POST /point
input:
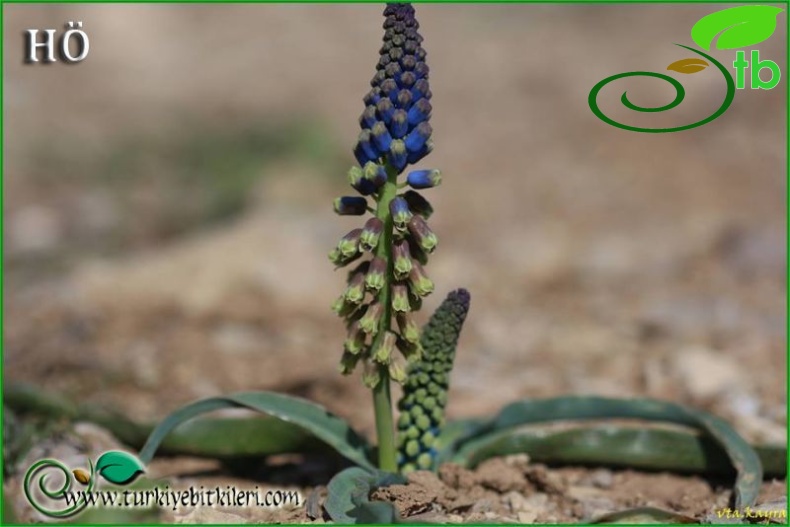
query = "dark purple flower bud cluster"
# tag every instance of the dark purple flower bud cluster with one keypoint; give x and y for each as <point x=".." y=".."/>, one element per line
<point x="384" y="291"/>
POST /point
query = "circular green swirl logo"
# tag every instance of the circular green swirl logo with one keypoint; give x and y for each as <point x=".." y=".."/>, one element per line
<point x="732" y="28"/>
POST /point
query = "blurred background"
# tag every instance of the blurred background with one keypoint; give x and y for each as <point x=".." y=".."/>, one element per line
<point x="167" y="207"/>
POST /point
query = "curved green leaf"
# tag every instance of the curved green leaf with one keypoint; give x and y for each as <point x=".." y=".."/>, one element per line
<point x="119" y="467"/>
<point x="739" y="26"/>
<point x="310" y="416"/>
<point x="348" y="499"/>
<point x="618" y="446"/>
<point x="740" y="453"/>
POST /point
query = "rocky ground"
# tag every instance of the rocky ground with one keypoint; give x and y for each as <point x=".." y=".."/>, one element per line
<point x="170" y="241"/>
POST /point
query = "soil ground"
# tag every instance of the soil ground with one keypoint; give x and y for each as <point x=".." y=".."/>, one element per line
<point x="167" y="219"/>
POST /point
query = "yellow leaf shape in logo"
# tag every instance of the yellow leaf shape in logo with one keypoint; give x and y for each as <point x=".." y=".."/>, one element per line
<point x="81" y="476"/>
<point x="688" y="65"/>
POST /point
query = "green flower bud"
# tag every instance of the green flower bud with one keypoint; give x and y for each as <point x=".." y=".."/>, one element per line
<point x="423" y="422"/>
<point x="369" y="323"/>
<point x="400" y="298"/>
<point x="355" y="342"/>
<point x="371" y="376"/>
<point x="404" y="420"/>
<point x="348" y="362"/>
<point x="408" y="468"/>
<point x="343" y="308"/>
<point x="422" y="234"/>
<point x="429" y="403"/>
<point x="375" y="278"/>
<point x="425" y="461"/>
<point x="419" y="281"/>
<point x="409" y="329"/>
<point x="427" y="439"/>
<point x="371" y="233"/>
<point x="355" y="292"/>
<point x="402" y="265"/>
<point x="397" y="369"/>
<point x="412" y="448"/>
<point x="385" y="348"/>
<point x="412" y="432"/>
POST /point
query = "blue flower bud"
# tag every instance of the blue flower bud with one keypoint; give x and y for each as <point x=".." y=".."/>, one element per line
<point x="408" y="62"/>
<point x="381" y="136"/>
<point x="368" y="117"/>
<point x="417" y="137"/>
<point x="407" y="80"/>
<point x="404" y="99"/>
<point x="415" y="157"/>
<point x="376" y="174"/>
<point x="364" y="142"/>
<point x="392" y="70"/>
<point x="399" y="126"/>
<point x="421" y="90"/>
<point x="350" y="206"/>
<point x="396" y="53"/>
<point x="421" y="70"/>
<point x="419" y="112"/>
<point x="356" y="178"/>
<point x="421" y="179"/>
<point x="398" y="155"/>
<point x="385" y="109"/>
<point x="389" y="89"/>
<point x="372" y="97"/>
<point x="400" y="213"/>
<point x="378" y="78"/>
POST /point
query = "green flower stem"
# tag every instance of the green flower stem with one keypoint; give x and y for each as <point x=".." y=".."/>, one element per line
<point x="382" y="400"/>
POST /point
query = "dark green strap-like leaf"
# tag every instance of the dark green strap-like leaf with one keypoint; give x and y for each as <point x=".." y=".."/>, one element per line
<point x="348" y="499"/>
<point x="310" y="416"/>
<point x="741" y="455"/>
<point x="618" y="446"/>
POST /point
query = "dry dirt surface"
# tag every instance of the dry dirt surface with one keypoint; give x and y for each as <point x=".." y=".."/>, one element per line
<point x="599" y="261"/>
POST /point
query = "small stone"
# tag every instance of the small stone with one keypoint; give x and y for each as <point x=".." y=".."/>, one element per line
<point x="483" y="505"/>
<point x="602" y="478"/>
<point x="515" y="501"/>
<point x="527" y="517"/>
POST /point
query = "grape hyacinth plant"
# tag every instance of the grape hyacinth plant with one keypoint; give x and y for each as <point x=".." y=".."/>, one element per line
<point x="386" y="289"/>
<point x="386" y="256"/>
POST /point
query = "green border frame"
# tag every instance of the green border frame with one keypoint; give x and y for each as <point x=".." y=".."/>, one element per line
<point x="785" y="3"/>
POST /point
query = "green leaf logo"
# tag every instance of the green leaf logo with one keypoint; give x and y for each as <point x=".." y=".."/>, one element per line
<point x="119" y="467"/>
<point x="739" y="27"/>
